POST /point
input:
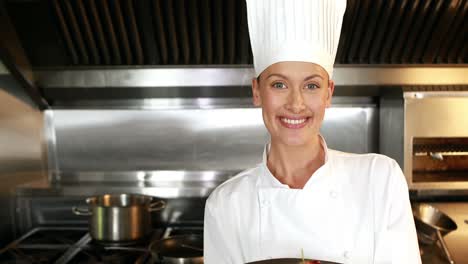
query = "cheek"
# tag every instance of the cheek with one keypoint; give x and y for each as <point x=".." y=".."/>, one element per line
<point x="317" y="104"/>
<point x="270" y="102"/>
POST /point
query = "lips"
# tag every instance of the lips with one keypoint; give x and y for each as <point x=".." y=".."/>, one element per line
<point x="295" y="123"/>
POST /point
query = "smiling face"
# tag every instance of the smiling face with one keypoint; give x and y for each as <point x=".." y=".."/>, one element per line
<point x="293" y="97"/>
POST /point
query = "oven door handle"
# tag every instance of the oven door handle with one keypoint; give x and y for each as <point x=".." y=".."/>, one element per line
<point x="81" y="211"/>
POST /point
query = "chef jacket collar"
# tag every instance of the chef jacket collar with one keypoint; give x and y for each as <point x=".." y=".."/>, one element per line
<point x="267" y="179"/>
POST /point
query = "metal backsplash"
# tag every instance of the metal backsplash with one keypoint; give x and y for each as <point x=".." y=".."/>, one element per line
<point x="21" y="151"/>
<point x="189" y="135"/>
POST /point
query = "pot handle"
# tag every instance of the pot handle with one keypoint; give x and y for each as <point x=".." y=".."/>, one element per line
<point x="156" y="206"/>
<point x="81" y="211"/>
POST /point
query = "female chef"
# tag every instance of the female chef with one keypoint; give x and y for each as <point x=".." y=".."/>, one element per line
<point x="305" y="198"/>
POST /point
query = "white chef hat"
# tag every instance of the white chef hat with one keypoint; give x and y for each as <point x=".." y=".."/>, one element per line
<point x="294" y="30"/>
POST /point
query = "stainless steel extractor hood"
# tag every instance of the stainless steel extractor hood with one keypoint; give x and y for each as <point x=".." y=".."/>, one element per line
<point x="127" y="49"/>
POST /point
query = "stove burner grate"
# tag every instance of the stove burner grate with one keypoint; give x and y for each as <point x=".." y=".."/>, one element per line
<point x="75" y="246"/>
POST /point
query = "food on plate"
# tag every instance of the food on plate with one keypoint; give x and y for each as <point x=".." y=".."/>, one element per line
<point x="308" y="261"/>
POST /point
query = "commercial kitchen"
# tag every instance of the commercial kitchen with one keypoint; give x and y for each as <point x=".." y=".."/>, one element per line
<point x="119" y="118"/>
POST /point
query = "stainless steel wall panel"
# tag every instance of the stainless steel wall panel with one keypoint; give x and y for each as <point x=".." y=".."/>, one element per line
<point x="21" y="154"/>
<point x="50" y="140"/>
<point x="189" y="136"/>
<point x="351" y="129"/>
<point x="391" y="126"/>
<point x="187" y="139"/>
<point x="20" y="136"/>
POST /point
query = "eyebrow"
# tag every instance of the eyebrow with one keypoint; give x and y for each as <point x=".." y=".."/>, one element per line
<point x="313" y="76"/>
<point x="284" y="77"/>
<point x="277" y="75"/>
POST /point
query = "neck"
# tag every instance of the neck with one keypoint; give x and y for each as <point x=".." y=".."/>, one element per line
<point x="294" y="165"/>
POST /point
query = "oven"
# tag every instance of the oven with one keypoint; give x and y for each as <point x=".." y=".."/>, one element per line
<point x="436" y="141"/>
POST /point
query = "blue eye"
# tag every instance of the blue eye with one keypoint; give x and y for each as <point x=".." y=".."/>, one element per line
<point x="312" y="86"/>
<point x="279" y="85"/>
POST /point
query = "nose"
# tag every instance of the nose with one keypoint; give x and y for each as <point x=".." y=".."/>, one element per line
<point x="295" y="101"/>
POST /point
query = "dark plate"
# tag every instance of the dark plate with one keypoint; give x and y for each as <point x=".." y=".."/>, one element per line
<point x="291" y="261"/>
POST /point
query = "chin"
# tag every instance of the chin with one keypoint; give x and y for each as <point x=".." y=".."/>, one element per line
<point x="294" y="141"/>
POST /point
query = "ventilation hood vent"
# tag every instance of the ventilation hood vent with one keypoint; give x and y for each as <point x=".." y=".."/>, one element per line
<point x="62" y="33"/>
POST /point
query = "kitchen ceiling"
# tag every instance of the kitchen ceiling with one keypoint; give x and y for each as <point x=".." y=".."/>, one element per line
<point x="62" y="33"/>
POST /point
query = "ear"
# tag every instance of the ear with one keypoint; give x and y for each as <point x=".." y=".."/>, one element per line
<point x="257" y="101"/>
<point x="330" y="90"/>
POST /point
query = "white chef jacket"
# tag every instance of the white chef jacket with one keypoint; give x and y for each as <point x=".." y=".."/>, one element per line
<point x="354" y="209"/>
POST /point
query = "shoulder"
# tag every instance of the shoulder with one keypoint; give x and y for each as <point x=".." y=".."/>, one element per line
<point x="373" y="176"/>
<point x="370" y="161"/>
<point x="366" y="157"/>
<point x="371" y="168"/>
<point x="238" y="186"/>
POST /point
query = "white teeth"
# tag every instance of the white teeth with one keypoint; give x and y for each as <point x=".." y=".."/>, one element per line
<point x="293" y="121"/>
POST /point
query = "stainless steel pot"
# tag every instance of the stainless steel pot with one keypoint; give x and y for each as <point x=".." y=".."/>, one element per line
<point x="119" y="218"/>
<point x="432" y="225"/>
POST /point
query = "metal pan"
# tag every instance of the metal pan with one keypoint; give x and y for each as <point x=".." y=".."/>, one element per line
<point x="186" y="249"/>
<point x="432" y="225"/>
<point x="291" y="261"/>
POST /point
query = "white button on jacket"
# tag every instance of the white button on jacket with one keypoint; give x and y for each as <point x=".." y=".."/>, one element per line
<point x="354" y="209"/>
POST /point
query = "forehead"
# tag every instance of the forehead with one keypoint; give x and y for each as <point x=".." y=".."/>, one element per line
<point x="295" y="70"/>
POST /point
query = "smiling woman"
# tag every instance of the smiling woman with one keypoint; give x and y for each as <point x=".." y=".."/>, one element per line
<point x="336" y="206"/>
